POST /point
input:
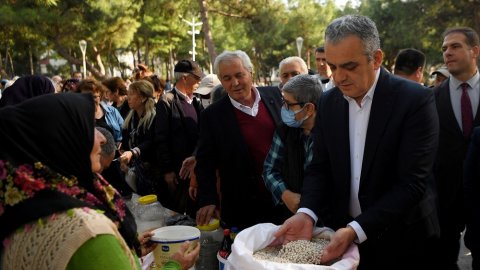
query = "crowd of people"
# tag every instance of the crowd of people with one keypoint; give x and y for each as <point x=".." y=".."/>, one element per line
<point x="389" y="164"/>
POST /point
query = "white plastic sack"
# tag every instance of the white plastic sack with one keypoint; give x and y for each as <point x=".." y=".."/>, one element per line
<point x="261" y="235"/>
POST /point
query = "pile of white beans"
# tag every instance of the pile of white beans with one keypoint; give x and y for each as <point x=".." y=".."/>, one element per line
<point x="300" y="251"/>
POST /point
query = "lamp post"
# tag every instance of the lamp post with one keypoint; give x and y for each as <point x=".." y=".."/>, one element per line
<point x="299" y="41"/>
<point x="83" y="47"/>
<point x="194" y="32"/>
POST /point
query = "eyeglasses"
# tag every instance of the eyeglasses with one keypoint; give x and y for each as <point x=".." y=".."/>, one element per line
<point x="288" y="105"/>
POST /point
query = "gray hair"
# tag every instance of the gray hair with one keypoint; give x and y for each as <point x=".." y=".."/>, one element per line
<point x="357" y="25"/>
<point x="109" y="147"/>
<point x="293" y="59"/>
<point x="229" y="56"/>
<point x="145" y="89"/>
<point x="304" y="88"/>
<point x="179" y="75"/>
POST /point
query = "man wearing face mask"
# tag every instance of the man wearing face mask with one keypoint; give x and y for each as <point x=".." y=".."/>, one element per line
<point x="291" y="150"/>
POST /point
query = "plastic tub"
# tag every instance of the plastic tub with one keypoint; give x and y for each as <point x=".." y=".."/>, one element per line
<point x="169" y="240"/>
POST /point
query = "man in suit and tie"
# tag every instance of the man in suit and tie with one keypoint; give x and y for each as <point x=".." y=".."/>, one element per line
<point x="457" y="100"/>
<point x="375" y="142"/>
<point x="176" y="135"/>
<point x="235" y="137"/>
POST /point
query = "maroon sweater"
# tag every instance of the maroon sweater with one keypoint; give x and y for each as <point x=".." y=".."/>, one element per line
<point x="258" y="133"/>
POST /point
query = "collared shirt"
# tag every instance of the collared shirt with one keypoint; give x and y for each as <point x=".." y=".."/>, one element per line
<point x="252" y="111"/>
<point x="188" y="99"/>
<point x="358" y="124"/>
<point x="273" y="165"/>
<point x="456" y="94"/>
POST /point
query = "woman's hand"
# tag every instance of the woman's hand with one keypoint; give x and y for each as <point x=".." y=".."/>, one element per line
<point x="126" y="157"/>
<point x="146" y="245"/>
<point x="186" y="259"/>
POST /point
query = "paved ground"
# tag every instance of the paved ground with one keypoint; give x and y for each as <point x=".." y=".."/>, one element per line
<point x="464" y="258"/>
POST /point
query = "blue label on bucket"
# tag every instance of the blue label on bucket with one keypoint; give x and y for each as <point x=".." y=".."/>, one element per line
<point x="165" y="248"/>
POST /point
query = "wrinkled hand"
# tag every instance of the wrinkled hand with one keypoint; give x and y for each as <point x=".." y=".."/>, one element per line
<point x="339" y="244"/>
<point x="171" y="180"/>
<point x="186" y="260"/>
<point x="291" y="200"/>
<point x="298" y="227"/>
<point x="188" y="167"/>
<point x="145" y="245"/>
<point x="192" y="192"/>
<point x="206" y="213"/>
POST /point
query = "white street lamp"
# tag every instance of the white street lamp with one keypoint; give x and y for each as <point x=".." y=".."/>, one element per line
<point x="299" y="46"/>
<point x="194" y="32"/>
<point x="83" y="47"/>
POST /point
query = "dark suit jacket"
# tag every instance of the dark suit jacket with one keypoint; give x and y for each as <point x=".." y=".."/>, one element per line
<point x="395" y="193"/>
<point x="449" y="163"/>
<point x="175" y="138"/>
<point x="472" y="192"/>
<point x="221" y="146"/>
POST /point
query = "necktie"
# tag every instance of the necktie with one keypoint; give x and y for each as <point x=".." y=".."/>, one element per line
<point x="466" y="107"/>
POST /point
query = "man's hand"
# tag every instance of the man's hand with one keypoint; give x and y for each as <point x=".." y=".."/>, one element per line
<point x="188" y="167"/>
<point x="339" y="244"/>
<point x="291" y="200"/>
<point x="298" y="227"/>
<point x="206" y="213"/>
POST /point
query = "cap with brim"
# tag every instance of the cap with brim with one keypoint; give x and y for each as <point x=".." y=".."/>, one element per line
<point x="443" y="71"/>
<point x="189" y="66"/>
<point x="207" y="84"/>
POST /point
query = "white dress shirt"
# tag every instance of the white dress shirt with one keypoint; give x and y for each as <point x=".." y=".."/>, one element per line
<point x="456" y="95"/>
<point x="252" y="111"/>
<point x="359" y="116"/>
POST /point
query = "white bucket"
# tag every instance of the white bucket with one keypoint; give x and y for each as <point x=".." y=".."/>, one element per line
<point x="169" y="240"/>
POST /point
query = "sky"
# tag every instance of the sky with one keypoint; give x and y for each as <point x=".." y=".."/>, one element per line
<point x="341" y="3"/>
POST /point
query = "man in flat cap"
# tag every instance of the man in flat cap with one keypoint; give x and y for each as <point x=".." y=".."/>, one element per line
<point x="176" y="134"/>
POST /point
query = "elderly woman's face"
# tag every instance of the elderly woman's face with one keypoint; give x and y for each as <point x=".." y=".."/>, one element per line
<point x="95" y="155"/>
<point x="135" y="100"/>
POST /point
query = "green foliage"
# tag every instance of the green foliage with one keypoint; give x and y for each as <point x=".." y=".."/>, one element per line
<point x="266" y="29"/>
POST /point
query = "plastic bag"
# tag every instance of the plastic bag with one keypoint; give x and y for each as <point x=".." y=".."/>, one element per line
<point x="144" y="180"/>
<point x="261" y="235"/>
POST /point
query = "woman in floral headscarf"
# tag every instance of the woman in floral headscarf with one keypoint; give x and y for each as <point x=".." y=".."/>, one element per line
<point x="54" y="212"/>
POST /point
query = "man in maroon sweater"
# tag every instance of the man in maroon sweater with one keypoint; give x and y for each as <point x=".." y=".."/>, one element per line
<point x="235" y="136"/>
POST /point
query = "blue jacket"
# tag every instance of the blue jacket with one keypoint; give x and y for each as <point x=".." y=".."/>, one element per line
<point x="114" y="120"/>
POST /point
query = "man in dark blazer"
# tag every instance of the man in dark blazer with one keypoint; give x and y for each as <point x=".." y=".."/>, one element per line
<point x="235" y="136"/>
<point x="375" y="142"/>
<point x="471" y="184"/>
<point x="178" y="114"/>
<point x="461" y="48"/>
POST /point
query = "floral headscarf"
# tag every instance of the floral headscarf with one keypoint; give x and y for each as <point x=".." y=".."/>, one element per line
<point x="45" y="167"/>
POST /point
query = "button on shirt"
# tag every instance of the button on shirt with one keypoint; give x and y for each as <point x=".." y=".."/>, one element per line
<point x="456" y="94"/>
<point x="252" y="111"/>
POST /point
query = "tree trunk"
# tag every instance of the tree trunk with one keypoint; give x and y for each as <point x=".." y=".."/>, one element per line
<point x="99" y="61"/>
<point x="63" y="52"/>
<point x="6" y="57"/>
<point x="11" y="63"/>
<point x="30" y="58"/>
<point x="147" y="52"/>
<point x="206" y="30"/>
<point x="139" y="57"/>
